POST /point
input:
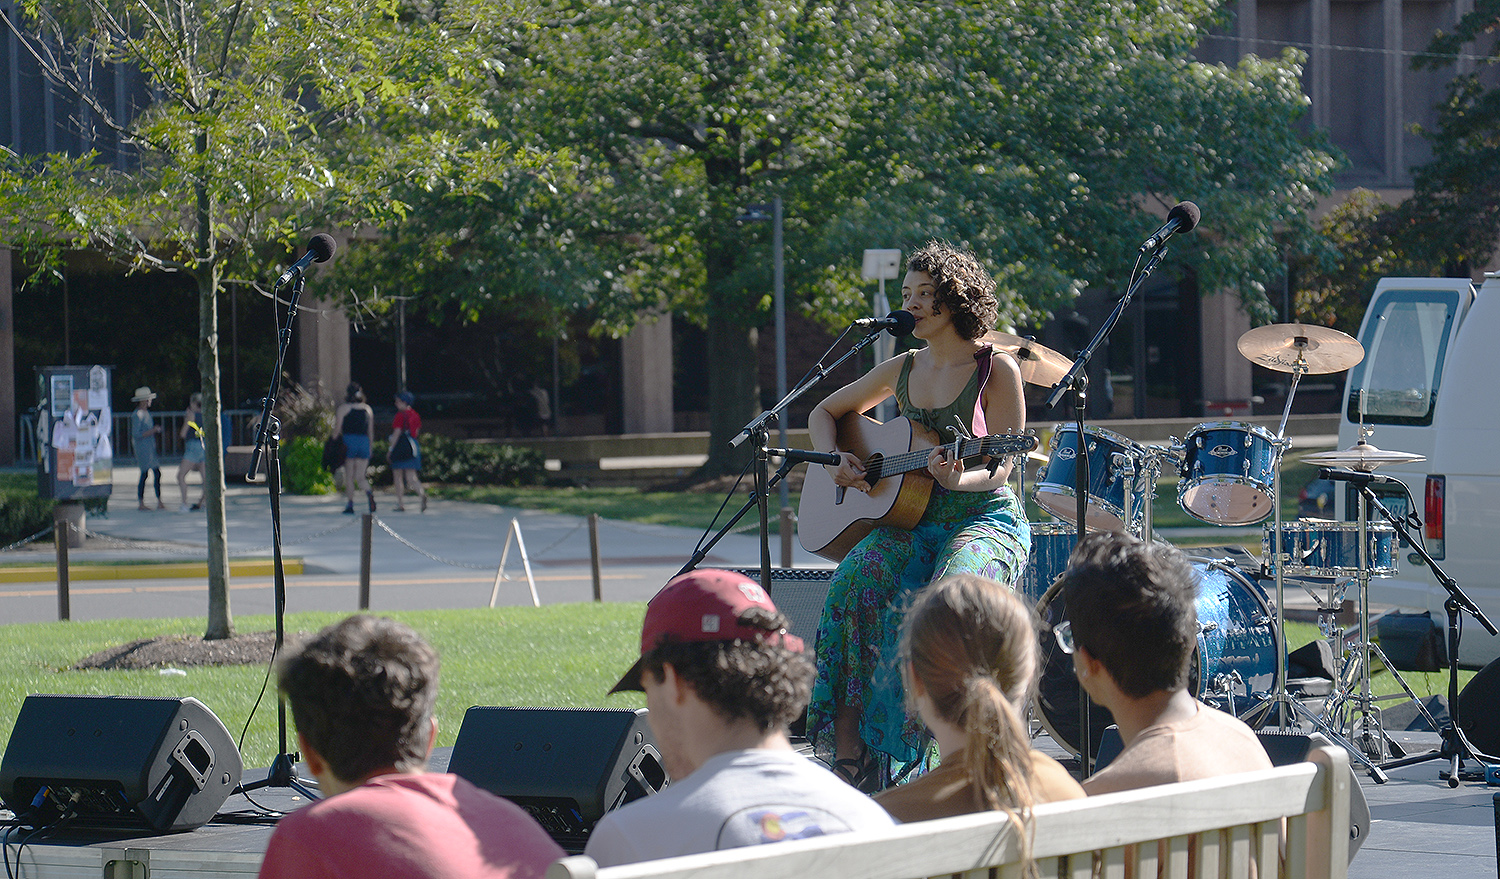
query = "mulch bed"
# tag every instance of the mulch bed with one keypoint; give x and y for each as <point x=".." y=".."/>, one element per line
<point x="185" y="651"/>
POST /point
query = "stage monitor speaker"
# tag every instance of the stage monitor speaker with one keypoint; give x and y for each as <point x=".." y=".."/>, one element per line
<point x="799" y="593"/>
<point x="1479" y="709"/>
<point x="119" y="761"/>
<point x="564" y="766"/>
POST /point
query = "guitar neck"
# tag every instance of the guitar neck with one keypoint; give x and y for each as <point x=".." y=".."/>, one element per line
<point x="905" y="462"/>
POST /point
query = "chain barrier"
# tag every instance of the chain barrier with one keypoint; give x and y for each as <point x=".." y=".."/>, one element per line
<point x="420" y="551"/>
<point x="148" y="546"/>
<point x="25" y="540"/>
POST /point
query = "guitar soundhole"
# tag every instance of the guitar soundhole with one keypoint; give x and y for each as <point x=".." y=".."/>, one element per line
<point x="872" y="468"/>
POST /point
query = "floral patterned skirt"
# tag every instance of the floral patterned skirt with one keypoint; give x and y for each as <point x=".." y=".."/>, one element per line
<point x="981" y="533"/>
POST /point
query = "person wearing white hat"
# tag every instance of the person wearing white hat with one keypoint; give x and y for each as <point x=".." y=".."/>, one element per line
<point x="143" y="433"/>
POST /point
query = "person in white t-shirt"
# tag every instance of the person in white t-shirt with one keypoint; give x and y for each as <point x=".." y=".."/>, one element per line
<point x="723" y="680"/>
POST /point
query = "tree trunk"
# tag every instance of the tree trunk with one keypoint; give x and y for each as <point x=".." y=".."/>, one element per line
<point x="733" y="369"/>
<point x="220" y="620"/>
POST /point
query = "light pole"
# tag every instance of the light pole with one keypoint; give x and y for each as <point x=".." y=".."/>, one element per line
<point x="878" y="266"/>
<point x="757" y="214"/>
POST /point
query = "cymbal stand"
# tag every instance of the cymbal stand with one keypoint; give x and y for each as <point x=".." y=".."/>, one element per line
<point x="1287" y="709"/>
<point x="1343" y="706"/>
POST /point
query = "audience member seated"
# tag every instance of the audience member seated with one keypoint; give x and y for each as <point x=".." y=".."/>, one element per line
<point x="723" y="679"/>
<point x="362" y="693"/>
<point x="971" y="658"/>
<point x="1132" y="623"/>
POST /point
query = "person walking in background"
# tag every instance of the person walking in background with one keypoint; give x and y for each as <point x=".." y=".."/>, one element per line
<point x="405" y="454"/>
<point x="355" y="422"/>
<point x="143" y="433"/>
<point x="192" y="452"/>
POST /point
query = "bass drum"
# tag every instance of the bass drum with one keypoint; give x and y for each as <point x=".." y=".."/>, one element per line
<point x="1235" y="657"/>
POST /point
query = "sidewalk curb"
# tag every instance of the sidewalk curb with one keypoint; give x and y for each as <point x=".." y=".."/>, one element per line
<point x="145" y="571"/>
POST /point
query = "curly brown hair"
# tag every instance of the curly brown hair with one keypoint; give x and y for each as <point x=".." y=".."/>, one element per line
<point x="961" y="285"/>
<point x="762" y="681"/>
<point x="362" y="693"/>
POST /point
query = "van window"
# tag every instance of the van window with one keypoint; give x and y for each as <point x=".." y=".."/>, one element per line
<point x="1405" y="344"/>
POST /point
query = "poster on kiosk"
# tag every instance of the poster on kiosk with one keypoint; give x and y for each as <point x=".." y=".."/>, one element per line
<point x="74" y="427"/>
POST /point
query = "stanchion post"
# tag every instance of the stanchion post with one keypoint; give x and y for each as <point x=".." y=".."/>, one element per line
<point x="60" y="537"/>
<point x="594" y="554"/>
<point x="785" y="527"/>
<point x="364" y="559"/>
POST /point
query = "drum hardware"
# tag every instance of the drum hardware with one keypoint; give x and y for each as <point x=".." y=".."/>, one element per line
<point x="1300" y="350"/>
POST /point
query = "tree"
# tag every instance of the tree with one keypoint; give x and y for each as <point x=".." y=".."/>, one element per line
<point x="1047" y="136"/>
<point x="1043" y="135"/>
<point x="255" y="120"/>
<point x="1451" y="223"/>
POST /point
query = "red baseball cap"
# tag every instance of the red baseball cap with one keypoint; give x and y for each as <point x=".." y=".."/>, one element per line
<point x="702" y="606"/>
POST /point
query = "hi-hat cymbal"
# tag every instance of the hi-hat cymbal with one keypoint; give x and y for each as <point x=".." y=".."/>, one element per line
<point x="1040" y="365"/>
<point x="1321" y="350"/>
<point x="1361" y="456"/>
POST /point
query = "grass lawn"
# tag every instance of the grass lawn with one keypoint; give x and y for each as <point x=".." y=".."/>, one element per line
<point x="557" y="656"/>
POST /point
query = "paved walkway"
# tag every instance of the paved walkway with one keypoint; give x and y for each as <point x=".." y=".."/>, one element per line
<point x="446" y="557"/>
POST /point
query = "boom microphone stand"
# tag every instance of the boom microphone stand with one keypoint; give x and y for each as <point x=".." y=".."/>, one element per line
<point x="1456" y="746"/>
<point x="268" y="437"/>
<point x="759" y="430"/>
<point x="1076" y="383"/>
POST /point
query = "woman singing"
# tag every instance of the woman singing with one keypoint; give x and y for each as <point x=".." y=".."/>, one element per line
<point x="973" y="522"/>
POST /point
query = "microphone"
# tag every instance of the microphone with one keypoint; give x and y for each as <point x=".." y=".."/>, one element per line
<point x="1183" y="217"/>
<point x="809" y="457"/>
<point x="319" y="249"/>
<point x="897" y="323"/>
<point x="1358" y="477"/>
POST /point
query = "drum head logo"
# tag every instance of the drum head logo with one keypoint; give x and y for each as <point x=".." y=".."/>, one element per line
<point x="1221" y="451"/>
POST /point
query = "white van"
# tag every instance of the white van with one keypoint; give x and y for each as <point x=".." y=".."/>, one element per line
<point x="1429" y="383"/>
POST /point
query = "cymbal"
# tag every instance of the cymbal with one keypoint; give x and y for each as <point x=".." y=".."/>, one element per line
<point x="1361" y="456"/>
<point x="1322" y="349"/>
<point x="1040" y="365"/>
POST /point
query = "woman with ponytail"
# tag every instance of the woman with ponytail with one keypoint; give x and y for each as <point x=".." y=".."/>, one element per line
<point x="970" y="659"/>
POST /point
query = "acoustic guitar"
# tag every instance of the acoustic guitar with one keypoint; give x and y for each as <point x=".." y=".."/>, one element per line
<point x="831" y="519"/>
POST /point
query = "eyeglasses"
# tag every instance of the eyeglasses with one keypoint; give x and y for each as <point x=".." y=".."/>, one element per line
<point x="1063" y="631"/>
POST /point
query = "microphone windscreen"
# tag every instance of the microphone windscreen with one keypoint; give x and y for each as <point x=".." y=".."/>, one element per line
<point x="905" y="323"/>
<point x="322" y="246"/>
<point x="1186" y="214"/>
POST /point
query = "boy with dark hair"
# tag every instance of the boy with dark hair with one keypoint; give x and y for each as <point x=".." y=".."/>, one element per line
<point x="723" y="679"/>
<point x="1132" y="623"/>
<point x="362" y="693"/>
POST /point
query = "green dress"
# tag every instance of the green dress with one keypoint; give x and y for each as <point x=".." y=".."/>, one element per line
<point x="973" y="532"/>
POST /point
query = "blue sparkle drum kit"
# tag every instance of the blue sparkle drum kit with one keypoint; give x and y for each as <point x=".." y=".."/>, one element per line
<point x="1229" y="474"/>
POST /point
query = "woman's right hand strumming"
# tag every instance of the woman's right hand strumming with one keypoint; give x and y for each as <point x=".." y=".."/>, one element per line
<point x="850" y="473"/>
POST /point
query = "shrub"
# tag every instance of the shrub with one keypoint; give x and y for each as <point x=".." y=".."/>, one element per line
<point x="302" y="466"/>
<point x="23" y="515"/>
<point x="476" y="463"/>
<point x="303" y="413"/>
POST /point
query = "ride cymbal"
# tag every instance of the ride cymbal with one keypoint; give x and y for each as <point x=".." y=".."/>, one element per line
<point x="1040" y="365"/>
<point x="1320" y="350"/>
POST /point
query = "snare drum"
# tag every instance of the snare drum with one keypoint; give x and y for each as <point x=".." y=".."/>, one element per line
<point x="1319" y="548"/>
<point x="1051" y="545"/>
<point x="1115" y="462"/>
<point x="1228" y="473"/>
